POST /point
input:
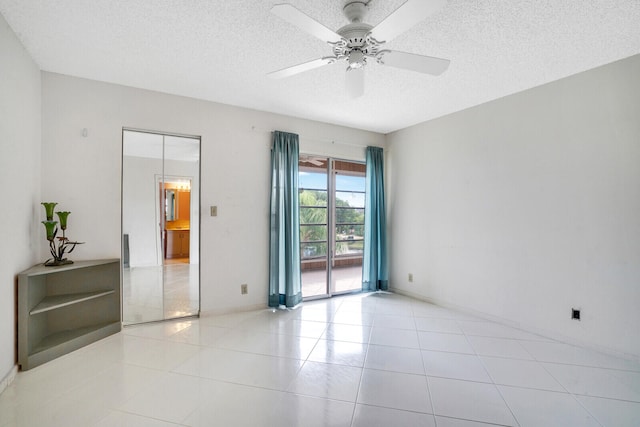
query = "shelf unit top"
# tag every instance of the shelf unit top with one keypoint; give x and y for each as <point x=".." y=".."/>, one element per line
<point x="40" y="269"/>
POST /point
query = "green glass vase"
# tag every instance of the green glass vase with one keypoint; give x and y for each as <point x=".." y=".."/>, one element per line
<point x="63" y="219"/>
<point x="51" y="229"/>
<point x="48" y="207"/>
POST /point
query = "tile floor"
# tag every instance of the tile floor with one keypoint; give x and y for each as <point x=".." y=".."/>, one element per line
<point x="359" y="360"/>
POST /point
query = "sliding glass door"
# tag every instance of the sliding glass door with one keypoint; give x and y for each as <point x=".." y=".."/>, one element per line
<point x="314" y="225"/>
<point x="348" y="226"/>
<point x="331" y="225"/>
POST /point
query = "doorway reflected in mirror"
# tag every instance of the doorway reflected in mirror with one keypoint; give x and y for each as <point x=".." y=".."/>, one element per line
<point x="175" y="194"/>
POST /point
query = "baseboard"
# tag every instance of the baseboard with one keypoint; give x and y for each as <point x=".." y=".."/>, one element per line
<point x="526" y="328"/>
<point x="8" y="379"/>
<point x="231" y="310"/>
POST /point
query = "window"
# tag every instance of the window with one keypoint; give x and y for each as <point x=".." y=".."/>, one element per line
<point x="331" y="194"/>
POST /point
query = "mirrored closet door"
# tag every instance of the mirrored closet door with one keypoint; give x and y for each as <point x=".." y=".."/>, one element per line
<point x="160" y="226"/>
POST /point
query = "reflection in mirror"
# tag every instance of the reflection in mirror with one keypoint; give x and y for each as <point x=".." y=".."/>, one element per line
<point x="160" y="226"/>
<point x="170" y="202"/>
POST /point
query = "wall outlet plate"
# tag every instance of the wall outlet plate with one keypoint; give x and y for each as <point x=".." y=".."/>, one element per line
<point x="244" y="289"/>
<point x="214" y="211"/>
<point x="410" y="277"/>
<point x="575" y="313"/>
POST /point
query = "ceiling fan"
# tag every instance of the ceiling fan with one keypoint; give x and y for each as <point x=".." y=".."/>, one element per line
<point x="315" y="161"/>
<point x="357" y="42"/>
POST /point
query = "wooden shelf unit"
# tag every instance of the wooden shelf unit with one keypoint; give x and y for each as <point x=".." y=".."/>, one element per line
<point x="61" y="309"/>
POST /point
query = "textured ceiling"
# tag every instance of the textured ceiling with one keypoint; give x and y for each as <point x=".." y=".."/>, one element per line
<point x="221" y="50"/>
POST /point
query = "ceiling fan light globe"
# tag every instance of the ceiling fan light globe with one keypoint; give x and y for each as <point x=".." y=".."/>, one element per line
<point x="356" y="59"/>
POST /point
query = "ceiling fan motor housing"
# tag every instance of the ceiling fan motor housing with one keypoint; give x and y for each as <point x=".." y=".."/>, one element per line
<point x="356" y="44"/>
<point x="355" y="10"/>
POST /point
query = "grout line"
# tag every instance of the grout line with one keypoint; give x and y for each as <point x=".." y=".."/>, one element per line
<point x="495" y="386"/>
<point x="424" y="369"/>
<point x="551" y="362"/>
<point x="364" y="362"/>
<point x="569" y="392"/>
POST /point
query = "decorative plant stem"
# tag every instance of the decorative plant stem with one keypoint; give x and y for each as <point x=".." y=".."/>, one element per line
<point x="58" y="246"/>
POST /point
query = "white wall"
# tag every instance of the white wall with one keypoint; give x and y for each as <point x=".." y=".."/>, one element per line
<point x="235" y="156"/>
<point x="527" y="206"/>
<point x="20" y="176"/>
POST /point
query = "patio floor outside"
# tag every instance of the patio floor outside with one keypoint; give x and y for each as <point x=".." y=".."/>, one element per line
<point x="314" y="282"/>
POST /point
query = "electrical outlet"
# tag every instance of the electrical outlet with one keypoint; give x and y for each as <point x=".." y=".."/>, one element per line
<point x="214" y="211"/>
<point x="575" y="313"/>
<point x="410" y="277"/>
<point x="244" y="289"/>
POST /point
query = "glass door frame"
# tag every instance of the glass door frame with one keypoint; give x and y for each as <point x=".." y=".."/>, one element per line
<point x="330" y="256"/>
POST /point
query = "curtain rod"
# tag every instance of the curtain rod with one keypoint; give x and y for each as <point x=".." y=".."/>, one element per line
<point x="332" y="141"/>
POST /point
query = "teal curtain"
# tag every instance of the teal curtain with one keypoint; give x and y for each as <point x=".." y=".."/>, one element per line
<point x="284" y="243"/>
<point x="375" y="275"/>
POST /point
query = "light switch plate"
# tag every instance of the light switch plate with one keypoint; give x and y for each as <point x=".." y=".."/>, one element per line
<point x="214" y="211"/>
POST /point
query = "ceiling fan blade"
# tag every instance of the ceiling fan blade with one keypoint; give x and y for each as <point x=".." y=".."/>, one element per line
<point x="300" y="68"/>
<point x="355" y="82"/>
<point x="405" y="17"/>
<point x="305" y="23"/>
<point x="413" y="62"/>
<point x="311" y="160"/>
